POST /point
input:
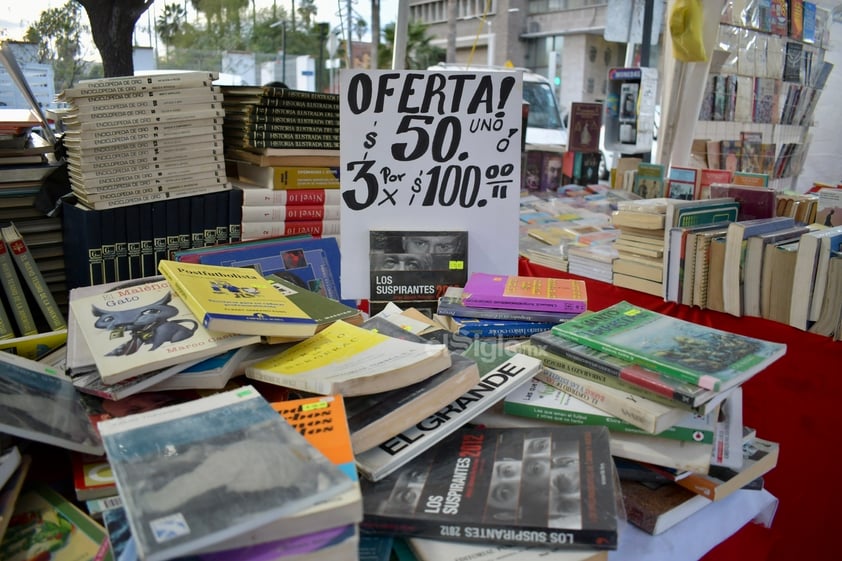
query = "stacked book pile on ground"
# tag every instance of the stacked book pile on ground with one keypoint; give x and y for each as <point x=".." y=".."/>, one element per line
<point x="133" y="140"/>
<point x="282" y="148"/>
<point x="509" y="307"/>
<point x="670" y="393"/>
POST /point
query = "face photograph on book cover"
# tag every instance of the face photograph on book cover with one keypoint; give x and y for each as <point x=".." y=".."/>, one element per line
<point x="407" y="490"/>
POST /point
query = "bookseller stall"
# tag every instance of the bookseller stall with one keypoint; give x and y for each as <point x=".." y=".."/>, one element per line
<point x="791" y="401"/>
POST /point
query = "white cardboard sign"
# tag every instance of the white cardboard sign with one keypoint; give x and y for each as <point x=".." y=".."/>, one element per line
<point x="430" y="150"/>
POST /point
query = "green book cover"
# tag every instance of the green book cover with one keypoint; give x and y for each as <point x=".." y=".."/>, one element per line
<point x="710" y="358"/>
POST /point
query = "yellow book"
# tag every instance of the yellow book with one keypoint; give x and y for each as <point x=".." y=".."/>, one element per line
<point x="351" y="360"/>
<point x="237" y="300"/>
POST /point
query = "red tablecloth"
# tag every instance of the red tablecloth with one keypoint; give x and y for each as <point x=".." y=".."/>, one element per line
<point x="792" y="402"/>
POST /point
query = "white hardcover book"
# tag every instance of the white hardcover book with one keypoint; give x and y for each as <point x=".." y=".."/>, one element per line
<point x="198" y="474"/>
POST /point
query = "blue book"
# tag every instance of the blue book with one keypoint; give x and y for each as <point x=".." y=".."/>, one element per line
<point x="311" y="263"/>
<point x="476" y="327"/>
<point x="133" y="241"/>
<point x="82" y="244"/>
<point x="222" y="199"/>
<point x="108" y="231"/>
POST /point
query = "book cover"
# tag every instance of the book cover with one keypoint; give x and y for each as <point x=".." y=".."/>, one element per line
<point x="729" y="155"/>
<point x="10" y="491"/>
<point x="44" y="520"/>
<point x="33" y="278"/>
<point x="450" y="304"/>
<point x="145" y="327"/>
<point x="168" y="464"/>
<point x="484" y="290"/>
<point x="236" y="300"/>
<point x="501" y="371"/>
<point x="39" y="403"/>
<point x="269" y="229"/>
<point x="212" y="373"/>
<point x="414" y="267"/>
<point x="289" y="177"/>
<point x="82" y="241"/>
<point x="377" y="417"/>
<point x="509" y="328"/>
<point x="503" y="486"/>
<point x="655" y="508"/>
<point x="813" y="251"/>
<point x="649" y="181"/>
<point x="556" y="396"/>
<point x="34" y="346"/>
<point x="15" y="295"/>
<point x="760" y="456"/>
<point x="584" y="128"/>
<point x="705" y="356"/>
<point x="92" y="476"/>
<point x="257" y="196"/>
<point x="753" y="266"/>
<point x="321" y="309"/>
<point x="350" y="360"/>
<point x="829" y="246"/>
<point x="755" y="202"/>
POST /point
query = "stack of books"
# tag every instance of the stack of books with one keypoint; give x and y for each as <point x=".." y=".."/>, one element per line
<point x="670" y="393"/>
<point x="282" y="146"/>
<point x="640" y="245"/>
<point x="510" y="306"/>
<point x="139" y="139"/>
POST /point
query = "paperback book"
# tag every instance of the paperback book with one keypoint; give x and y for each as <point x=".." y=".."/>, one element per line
<point x="39" y="403"/>
<point x="451" y="304"/>
<point x="547" y="294"/>
<point x="710" y="358"/>
<point x="501" y="371"/>
<point x="351" y="360"/>
<point x="544" y="486"/>
<point x="175" y="465"/>
<point x="236" y="300"/>
<point x="143" y="328"/>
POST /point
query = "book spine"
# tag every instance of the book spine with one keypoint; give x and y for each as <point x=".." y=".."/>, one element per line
<point x="162" y="177"/>
<point x="326" y="143"/>
<point x="290" y="213"/>
<point x="147" y="153"/>
<point x="107" y="174"/>
<point x="302" y="132"/>
<point x="331" y="106"/>
<point x="273" y="92"/>
<point x="159" y="135"/>
<point x="251" y="230"/>
<point x="133" y="198"/>
<point x="250" y="127"/>
<point x="221" y="219"/>
<point x="7" y="331"/>
<point x="14" y="293"/>
<point x="182" y="292"/>
<point x="82" y="102"/>
<point x="197" y="222"/>
<point x="149" y="120"/>
<point x="184" y="233"/>
<point x="106" y="109"/>
<point x="260" y="119"/>
<point x="278" y="197"/>
<point x="159" y="233"/>
<point x="129" y="84"/>
<point x="533" y="304"/>
<point x="108" y="250"/>
<point x="121" y="247"/>
<point x="449" y="306"/>
<point x="34" y="279"/>
<point x="82" y="243"/>
<point x="235" y="215"/>
<point x="134" y="249"/>
<point x="475" y="328"/>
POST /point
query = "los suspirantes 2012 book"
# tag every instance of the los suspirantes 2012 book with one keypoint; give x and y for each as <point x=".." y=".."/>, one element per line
<point x="197" y="474"/>
<point x="710" y="358"/>
<point x="550" y="486"/>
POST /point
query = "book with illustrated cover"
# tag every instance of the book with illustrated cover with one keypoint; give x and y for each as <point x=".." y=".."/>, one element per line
<point x="44" y="520"/>
<point x="501" y="371"/>
<point x="351" y="360"/>
<point x="39" y="403"/>
<point x="549" y="486"/>
<point x="176" y="465"/>
<point x="412" y="268"/>
<point x="710" y="358"/>
<point x="35" y="346"/>
<point x="236" y="300"/>
<point x="547" y="294"/>
<point x="10" y="491"/>
<point x="510" y="328"/>
<point x="143" y="328"/>
<point x="376" y="417"/>
<point x="92" y="476"/>
<point x="450" y="304"/>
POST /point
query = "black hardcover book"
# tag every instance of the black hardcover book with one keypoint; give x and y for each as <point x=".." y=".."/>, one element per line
<point x="147" y="246"/>
<point x="121" y="245"/>
<point x="235" y="215"/>
<point x="82" y="243"/>
<point x="197" y="221"/>
<point x="133" y="241"/>
<point x="549" y="486"/>
<point x="159" y="231"/>
<point x="173" y="223"/>
<point x="108" y="230"/>
<point x="209" y="218"/>
<point x="414" y="268"/>
<point x="221" y="220"/>
<point x="184" y="233"/>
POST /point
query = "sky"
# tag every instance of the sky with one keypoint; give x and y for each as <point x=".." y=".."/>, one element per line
<point x="16" y="16"/>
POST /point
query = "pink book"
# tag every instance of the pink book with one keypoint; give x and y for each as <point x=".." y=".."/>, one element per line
<point x="484" y="290"/>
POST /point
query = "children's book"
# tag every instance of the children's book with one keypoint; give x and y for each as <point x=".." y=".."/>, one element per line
<point x="547" y="294"/>
<point x="501" y="371"/>
<point x="351" y="360"/>
<point x="176" y="465"/>
<point x="710" y="358"/>
<point x="549" y="486"/>
<point x="44" y="520"/>
<point x="38" y="402"/>
<point x="143" y="328"/>
<point x="236" y="300"/>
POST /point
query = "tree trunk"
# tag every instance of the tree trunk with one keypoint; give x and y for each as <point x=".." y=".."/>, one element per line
<point x="112" y="27"/>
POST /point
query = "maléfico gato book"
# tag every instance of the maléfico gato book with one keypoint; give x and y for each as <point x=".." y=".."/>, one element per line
<point x="551" y="486"/>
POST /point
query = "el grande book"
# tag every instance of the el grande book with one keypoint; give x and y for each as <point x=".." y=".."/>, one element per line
<point x="551" y="486"/>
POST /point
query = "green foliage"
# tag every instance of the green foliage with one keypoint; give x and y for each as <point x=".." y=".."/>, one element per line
<point x="419" y="52"/>
<point x="58" y="34"/>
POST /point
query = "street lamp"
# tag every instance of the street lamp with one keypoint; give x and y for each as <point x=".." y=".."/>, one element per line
<point x="283" y="25"/>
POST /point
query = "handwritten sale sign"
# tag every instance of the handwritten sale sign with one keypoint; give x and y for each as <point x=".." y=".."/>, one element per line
<point x="430" y="150"/>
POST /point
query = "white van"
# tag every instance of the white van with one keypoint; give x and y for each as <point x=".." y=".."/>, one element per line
<point x="544" y="124"/>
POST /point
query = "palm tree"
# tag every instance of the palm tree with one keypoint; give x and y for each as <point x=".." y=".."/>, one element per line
<point x="307" y="9"/>
<point x="169" y="24"/>
<point x="419" y="52"/>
